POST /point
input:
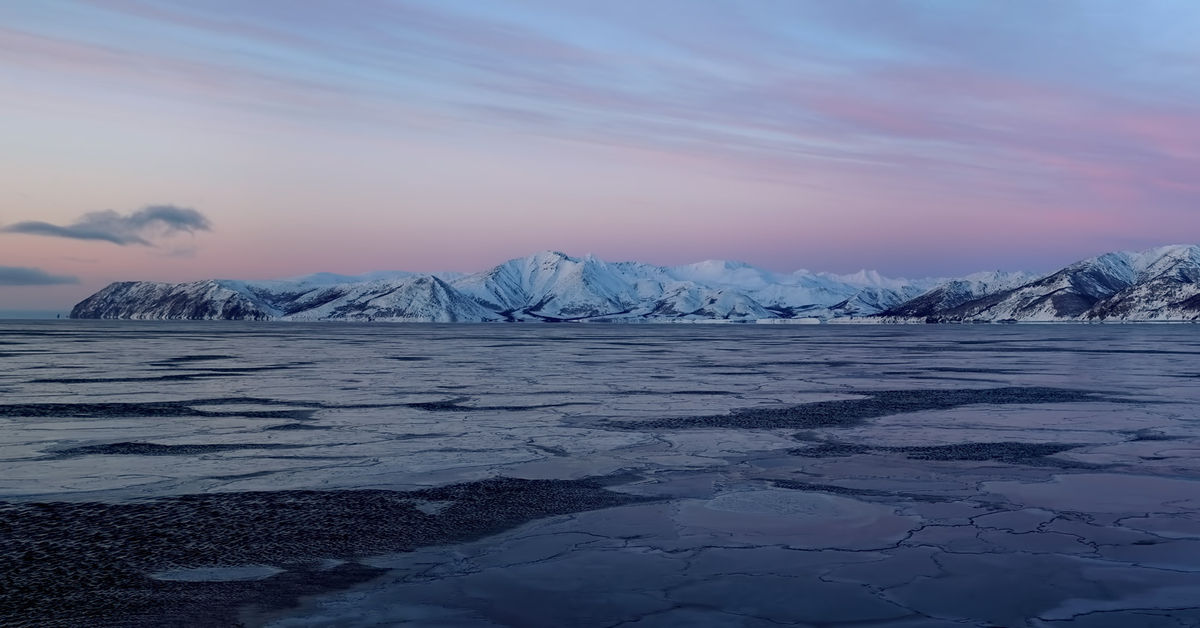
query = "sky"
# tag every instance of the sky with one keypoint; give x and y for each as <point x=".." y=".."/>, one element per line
<point x="183" y="140"/>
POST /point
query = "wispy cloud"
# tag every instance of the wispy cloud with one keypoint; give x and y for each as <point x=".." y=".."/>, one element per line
<point x="979" y="115"/>
<point x="1024" y="91"/>
<point x="138" y="227"/>
<point x="22" y="276"/>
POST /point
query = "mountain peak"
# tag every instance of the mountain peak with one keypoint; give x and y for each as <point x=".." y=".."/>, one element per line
<point x="551" y="255"/>
<point x="864" y="277"/>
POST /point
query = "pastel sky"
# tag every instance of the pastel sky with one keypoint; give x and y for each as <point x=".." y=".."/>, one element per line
<point x="913" y="137"/>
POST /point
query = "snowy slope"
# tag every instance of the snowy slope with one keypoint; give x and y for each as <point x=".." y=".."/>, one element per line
<point x="197" y="300"/>
<point x="806" y="293"/>
<point x="1167" y="287"/>
<point x="415" y="299"/>
<point x="1156" y="284"/>
<point x="955" y="292"/>
<point x="553" y="285"/>
<point x="547" y="286"/>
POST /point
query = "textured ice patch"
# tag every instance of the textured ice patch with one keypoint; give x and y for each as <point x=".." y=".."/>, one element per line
<point x="1105" y="492"/>
<point x="218" y="574"/>
<point x="797" y="519"/>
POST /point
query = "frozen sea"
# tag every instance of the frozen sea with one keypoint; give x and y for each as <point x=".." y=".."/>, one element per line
<point x="223" y="473"/>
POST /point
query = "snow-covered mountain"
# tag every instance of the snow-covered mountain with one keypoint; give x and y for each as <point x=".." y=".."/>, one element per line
<point x="418" y="298"/>
<point x="956" y="292"/>
<point x="548" y="286"/>
<point x="1158" y="284"/>
<point x="209" y="299"/>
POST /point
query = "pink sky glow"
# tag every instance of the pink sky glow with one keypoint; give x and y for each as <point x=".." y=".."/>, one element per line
<point x="918" y="138"/>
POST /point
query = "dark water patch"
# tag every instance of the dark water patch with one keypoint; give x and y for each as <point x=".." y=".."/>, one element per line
<point x="245" y="476"/>
<point x="253" y="369"/>
<point x="824" y="363"/>
<point x="1151" y="435"/>
<point x="99" y="410"/>
<point x="973" y="370"/>
<point x="174" y="377"/>
<point x="415" y="436"/>
<point x="1034" y="454"/>
<point x="834" y="489"/>
<point x="830" y="450"/>
<point x="312" y="457"/>
<point x="1117" y="351"/>
<point x="295" y="426"/>
<point x="409" y="358"/>
<point x="198" y="373"/>
<point x="558" y="452"/>
<point x="448" y="405"/>
<point x="853" y="411"/>
<point x="1014" y="453"/>
<point x="995" y="341"/>
<point x="109" y="410"/>
<point x="1044" y="349"/>
<point x="188" y="359"/>
<point x="155" y="449"/>
<point x="53" y="367"/>
<point x="676" y="393"/>
<point x="295" y="415"/>
<point x="733" y="373"/>
<point x="729" y="366"/>
<point x="30" y="332"/>
<point x="455" y="405"/>
<point x="260" y="401"/>
<point x="26" y="352"/>
<point x="88" y="563"/>
<point x="948" y="378"/>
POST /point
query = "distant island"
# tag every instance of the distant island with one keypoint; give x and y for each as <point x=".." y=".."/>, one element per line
<point x="1160" y="284"/>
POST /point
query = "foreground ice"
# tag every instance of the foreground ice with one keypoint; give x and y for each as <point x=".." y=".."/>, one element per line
<point x="301" y="475"/>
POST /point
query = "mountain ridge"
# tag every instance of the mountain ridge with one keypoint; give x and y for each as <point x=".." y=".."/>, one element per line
<point x="1157" y="284"/>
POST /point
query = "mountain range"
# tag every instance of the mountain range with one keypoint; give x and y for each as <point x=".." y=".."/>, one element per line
<point x="1161" y="284"/>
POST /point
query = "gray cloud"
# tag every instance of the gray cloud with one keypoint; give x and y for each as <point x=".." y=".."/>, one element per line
<point x="109" y="226"/>
<point x="21" y="276"/>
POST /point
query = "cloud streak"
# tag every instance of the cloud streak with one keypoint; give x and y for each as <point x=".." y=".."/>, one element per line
<point x="138" y="227"/>
<point x="22" y="276"/>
